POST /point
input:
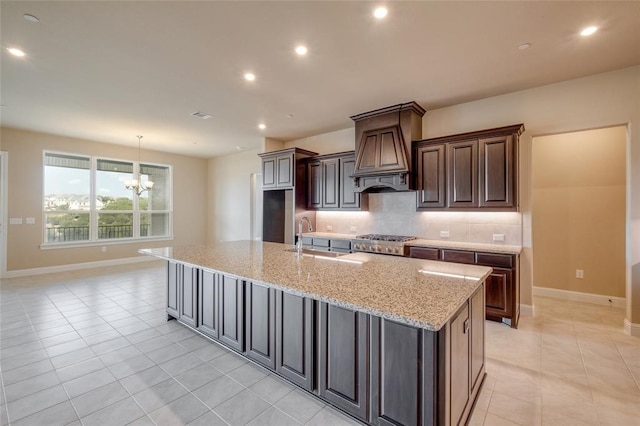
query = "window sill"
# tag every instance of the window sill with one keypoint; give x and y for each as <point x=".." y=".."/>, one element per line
<point x="76" y="244"/>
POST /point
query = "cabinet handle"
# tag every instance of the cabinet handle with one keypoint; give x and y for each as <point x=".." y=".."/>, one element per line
<point x="465" y="326"/>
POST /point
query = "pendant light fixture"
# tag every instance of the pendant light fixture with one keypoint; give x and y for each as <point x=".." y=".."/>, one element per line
<point x="136" y="184"/>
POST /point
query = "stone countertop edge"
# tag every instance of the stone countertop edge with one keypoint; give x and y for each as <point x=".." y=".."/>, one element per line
<point x="488" y="248"/>
<point x="439" y="310"/>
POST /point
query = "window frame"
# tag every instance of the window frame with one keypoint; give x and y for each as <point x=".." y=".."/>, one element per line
<point x="94" y="212"/>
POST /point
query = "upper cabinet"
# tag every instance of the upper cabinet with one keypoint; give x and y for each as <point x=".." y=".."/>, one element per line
<point x="279" y="168"/>
<point x="330" y="184"/>
<point x="476" y="170"/>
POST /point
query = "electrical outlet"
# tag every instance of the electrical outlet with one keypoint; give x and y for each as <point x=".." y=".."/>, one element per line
<point x="579" y="273"/>
<point x="15" y="221"/>
<point x="30" y="220"/>
<point x="353" y="229"/>
<point x="444" y="234"/>
<point x="104" y="249"/>
<point x="498" y="237"/>
<point x="329" y="228"/>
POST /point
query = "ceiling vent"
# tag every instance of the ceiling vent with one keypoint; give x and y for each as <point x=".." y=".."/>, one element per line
<point x="202" y="115"/>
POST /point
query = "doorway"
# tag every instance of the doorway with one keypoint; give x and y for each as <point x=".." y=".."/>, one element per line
<point x="579" y="215"/>
<point x="3" y="212"/>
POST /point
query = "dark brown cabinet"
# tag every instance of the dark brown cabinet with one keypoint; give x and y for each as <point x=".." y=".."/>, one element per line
<point x="432" y="181"/>
<point x="342" y="358"/>
<point x="260" y="324"/>
<point x="279" y="168"/>
<point x="208" y="304"/>
<point x="294" y="339"/>
<point x="476" y="170"/>
<point x="462" y="167"/>
<point x="502" y="286"/>
<point x="231" y="322"/>
<point x="382" y="150"/>
<point x="330" y="184"/>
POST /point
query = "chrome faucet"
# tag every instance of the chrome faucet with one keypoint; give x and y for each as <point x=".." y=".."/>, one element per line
<point x="309" y="229"/>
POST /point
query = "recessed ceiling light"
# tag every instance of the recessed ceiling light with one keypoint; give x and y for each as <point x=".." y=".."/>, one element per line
<point x="380" y="12"/>
<point x="301" y="50"/>
<point x="524" y="46"/>
<point x="249" y="76"/>
<point x="262" y="126"/>
<point x="16" y="52"/>
<point x="289" y="115"/>
<point x="241" y="148"/>
<point x="31" y="18"/>
<point x="200" y="114"/>
<point x="588" y="31"/>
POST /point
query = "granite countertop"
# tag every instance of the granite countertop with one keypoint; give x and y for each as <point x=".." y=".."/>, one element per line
<point x="489" y="248"/>
<point x="420" y="242"/>
<point x="417" y="292"/>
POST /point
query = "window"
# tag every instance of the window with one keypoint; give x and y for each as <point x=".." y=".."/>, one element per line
<point x="85" y="200"/>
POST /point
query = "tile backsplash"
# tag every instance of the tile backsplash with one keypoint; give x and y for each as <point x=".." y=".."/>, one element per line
<point x="395" y="213"/>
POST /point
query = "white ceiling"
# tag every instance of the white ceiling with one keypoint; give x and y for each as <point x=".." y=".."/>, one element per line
<point x="109" y="70"/>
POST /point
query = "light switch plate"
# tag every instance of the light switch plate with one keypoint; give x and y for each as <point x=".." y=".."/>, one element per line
<point x="31" y="220"/>
<point x="15" y="221"/>
<point x="498" y="237"/>
<point x="353" y="229"/>
<point x="329" y="228"/>
<point x="444" y="234"/>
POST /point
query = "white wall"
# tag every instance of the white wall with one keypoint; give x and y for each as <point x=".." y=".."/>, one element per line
<point x="327" y="143"/>
<point x="229" y="182"/>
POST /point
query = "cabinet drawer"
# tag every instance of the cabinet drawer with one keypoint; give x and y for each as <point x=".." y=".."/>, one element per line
<point x="458" y="256"/>
<point x="492" y="259"/>
<point x="341" y="244"/>
<point x="320" y="242"/>
<point x="307" y="241"/>
<point x="424" y="253"/>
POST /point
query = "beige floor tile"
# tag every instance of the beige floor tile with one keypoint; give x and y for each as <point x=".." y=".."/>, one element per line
<point x="513" y="409"/>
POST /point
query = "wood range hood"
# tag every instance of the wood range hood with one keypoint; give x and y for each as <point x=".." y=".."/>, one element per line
<point x="383" y="147"/>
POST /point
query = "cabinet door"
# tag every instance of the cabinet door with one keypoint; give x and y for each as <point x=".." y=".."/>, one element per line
<point x="349" y="198"/>
<point x="188" y="306"/>
<point x="231" y="311"/>
<point x="208" y="304"/>
<point x="330" y="182"/>
<point x="431" y="176"/>
<point x="294" y="339"/>
<point x="260" y="323"/>
<point x="269" y="173"/>
<point x="173" y="283"/>
<point x="382" y="151"/>
<point x="497" y="172"/>
<point x="396" y="364"/>
<point x="314" y="185"/>
<point x="285" y="171"/>
<point x="424" y="253"/>
<point x="477" y="336"/>
<point x="462" y="166"/>
<point x="459" y="364"/>
<point x="342" y="363"/>
<point x="499" y="289"/>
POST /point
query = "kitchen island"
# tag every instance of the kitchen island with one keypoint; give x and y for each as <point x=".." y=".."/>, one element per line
<point x="388" y="340"/>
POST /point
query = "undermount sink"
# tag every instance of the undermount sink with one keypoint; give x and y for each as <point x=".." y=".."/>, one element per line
<point x="318" y="253"/>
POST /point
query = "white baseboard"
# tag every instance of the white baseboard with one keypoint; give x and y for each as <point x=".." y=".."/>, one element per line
<point x="576" y="296"/>
<point x="76" y="266"/>
<point x="527" y="310"/>
<point x="631" y="329"/>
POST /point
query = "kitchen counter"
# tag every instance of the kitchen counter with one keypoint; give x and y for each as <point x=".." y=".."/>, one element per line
<point x="488" y="248"/>
<point x="415" y="292"/>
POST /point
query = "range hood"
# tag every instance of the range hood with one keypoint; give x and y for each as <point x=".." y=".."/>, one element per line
<point x="383" y="147"/>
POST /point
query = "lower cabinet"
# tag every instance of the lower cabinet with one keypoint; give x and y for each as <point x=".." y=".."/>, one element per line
<point x="295" y="338"/>
<point x="342" y="359"/>
<point x="459" y="363"/>
<point x="174" y="277"/>
<point x="397" y="357"/>
<point x="260" y="324"/>
<point x="208" y="305"/>
<point x="231" y="293"/>
<point x="499" y="293"/>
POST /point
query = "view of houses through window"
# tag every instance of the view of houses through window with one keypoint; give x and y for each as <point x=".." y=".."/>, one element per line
<point x="85" y="199"/>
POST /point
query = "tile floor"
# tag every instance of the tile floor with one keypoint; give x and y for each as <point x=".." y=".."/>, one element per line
<point x="93" y="348"/>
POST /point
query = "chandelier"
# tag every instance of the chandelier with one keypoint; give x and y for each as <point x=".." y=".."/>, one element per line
<point x="136" y="184"/>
